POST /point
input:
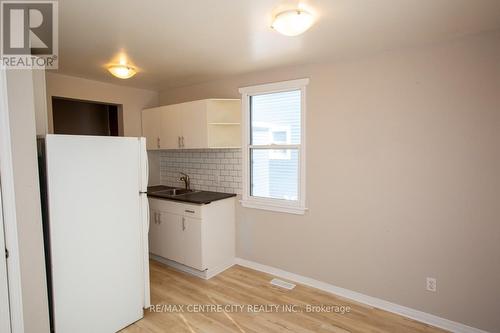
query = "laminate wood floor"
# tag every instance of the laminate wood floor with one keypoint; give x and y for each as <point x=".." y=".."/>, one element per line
<point x="175" y="295"/>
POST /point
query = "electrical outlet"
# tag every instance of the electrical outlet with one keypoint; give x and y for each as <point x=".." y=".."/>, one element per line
<point x="431" y="284"/>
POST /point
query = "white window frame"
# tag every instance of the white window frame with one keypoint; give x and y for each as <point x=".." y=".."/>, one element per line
<point x="272" y="204"/>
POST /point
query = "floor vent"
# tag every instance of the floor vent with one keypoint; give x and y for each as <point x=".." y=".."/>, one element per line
<point x="282" y="284"/>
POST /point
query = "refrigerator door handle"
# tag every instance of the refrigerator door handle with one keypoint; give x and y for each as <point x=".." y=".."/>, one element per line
<point x="148" y="217"/>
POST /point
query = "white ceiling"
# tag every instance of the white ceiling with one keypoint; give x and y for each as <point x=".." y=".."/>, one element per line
<point x="182" y="42"/>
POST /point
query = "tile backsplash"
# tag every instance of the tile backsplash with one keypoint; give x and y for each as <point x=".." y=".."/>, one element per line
<point x="209" y="169"/>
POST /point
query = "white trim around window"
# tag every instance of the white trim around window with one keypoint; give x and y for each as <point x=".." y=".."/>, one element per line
<point x="280" y="205"/>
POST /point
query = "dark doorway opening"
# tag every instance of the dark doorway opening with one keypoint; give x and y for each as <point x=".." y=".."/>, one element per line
<point x="85" y="117"/>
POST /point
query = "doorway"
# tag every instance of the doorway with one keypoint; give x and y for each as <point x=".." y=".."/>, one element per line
<point x="78" y="117"/>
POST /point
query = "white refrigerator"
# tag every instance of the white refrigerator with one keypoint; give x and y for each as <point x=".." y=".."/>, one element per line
<point x="96" y="231"/>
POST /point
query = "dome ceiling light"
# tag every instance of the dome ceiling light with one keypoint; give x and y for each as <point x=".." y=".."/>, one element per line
<point x="292" y="22"/>
<point x="122" y="71"/>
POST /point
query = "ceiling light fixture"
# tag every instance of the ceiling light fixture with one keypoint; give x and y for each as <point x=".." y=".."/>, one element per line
<point x="122" y="71"/>
<point x="292" y="22"/>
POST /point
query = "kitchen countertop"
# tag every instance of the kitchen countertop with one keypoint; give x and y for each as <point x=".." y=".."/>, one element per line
<point x="199" y="197"/>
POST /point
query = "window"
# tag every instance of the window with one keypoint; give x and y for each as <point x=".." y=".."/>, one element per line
<point x="274" y="146"/>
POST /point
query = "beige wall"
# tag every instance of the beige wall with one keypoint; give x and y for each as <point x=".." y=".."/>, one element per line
<point x="403" y="178"/>
<point x="132" y="99"/>
<point x="25" y="240"/>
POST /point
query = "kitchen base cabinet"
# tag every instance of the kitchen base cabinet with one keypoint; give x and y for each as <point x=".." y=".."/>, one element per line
<point x="198" y="239"/>
<point x="193" y="255"/>
<point x="155" y="231"/>
<point x="171" y="238"/>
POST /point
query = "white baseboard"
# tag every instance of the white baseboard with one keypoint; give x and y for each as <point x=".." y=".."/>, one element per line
<point x="211" y="272"/>
<point x="178" y="266"/>
<point x="361" y="298"/>
<point x="206" y="274"/>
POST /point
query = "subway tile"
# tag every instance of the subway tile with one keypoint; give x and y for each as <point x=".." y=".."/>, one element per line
<point x="210" y="169"/>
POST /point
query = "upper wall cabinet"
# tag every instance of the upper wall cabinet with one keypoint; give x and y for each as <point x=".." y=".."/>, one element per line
<point x="208" y="123"/>
<point x="151" y="121"/>
<point x="170" y="127"/>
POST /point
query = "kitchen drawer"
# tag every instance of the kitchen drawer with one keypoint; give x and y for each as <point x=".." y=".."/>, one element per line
<point x="179" y="208"/>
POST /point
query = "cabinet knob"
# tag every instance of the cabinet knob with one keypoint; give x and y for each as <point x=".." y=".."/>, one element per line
<point x="158" y="142"/>
<point x="183" y="223"/>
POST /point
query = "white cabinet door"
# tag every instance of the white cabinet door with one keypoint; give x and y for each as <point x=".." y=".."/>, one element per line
<point x="194" y="124"/>
<point x="172" y="237"/>
<point x="170" y="127"/>
<point x="151" y="121"/>
<point x="193" y="254"/>
<point x="155" y="233"/>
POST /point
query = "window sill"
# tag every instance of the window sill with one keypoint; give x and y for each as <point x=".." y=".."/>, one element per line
<point x="275" y="208"/>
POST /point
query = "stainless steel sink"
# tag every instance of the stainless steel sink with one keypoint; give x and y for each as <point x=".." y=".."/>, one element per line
<point x="175" y="191"/>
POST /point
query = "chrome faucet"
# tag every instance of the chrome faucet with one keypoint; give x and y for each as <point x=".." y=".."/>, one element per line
<point x="185" y="179"/>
